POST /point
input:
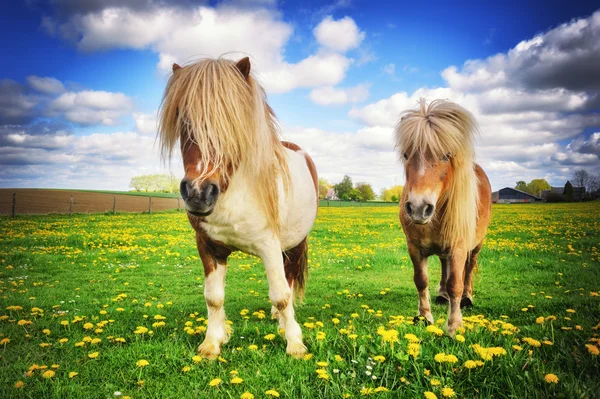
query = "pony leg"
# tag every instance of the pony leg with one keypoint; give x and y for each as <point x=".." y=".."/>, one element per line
<point x="470" y="265"/>
<point x="455" y="287"/>
<point x="214" y="260"/>
<point x="216" y="330"/>
<point x="421" y="281"/>
<point x="280" y="294"/>
<point x="442" y="296"/>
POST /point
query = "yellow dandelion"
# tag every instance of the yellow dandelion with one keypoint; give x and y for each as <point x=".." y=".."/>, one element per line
<point x="551" y="379"/>
<point x="48" y="374"/>
<point x="272" y="392"/>
<point x="270" y="337"/>
<point x="592" y="349"/>
<point x="93" y="355"/>
<point x="379" y="359"/>
<point x="429" y="395"/>
<point x="196" y="359"/>
<point x="215" y="382"/>
<point x="540" y="320"/>
<point x="322" y="364"/>
<point x="4" y="341"/>
<point x="19" y="384"/>
<point x="88" y="326"/>
<point x="246" y="395"/>
<point x="448" y="392"/>
<point x="236" y="380"/>
<point x="470" y="364"/>
<point x="73" y="374"/>
<point x="435" y="382"/>
<point x="142" y="363"/>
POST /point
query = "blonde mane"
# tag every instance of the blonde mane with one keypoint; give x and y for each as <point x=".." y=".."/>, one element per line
<point x="440" y="129"/>
<point x="211" y="105"/>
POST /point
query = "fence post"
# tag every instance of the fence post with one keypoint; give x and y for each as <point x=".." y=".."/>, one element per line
<point x="178" y="204"/>
<point x="14" y="204"/>
<point x="115" y="205"/>
<point x="150" y="205"/>
<point x="71" y="205"/>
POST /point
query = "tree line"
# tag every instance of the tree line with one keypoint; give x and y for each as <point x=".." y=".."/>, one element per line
<point x="361" y="191"/>
<point x="582" y="185"/>
<point x="158" y="183"/>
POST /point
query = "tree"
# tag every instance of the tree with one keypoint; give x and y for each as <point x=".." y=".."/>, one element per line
<point x="355" y="195"/>
<point x="324" y="187"/>
<point x="366" y="191"/>
<point x="568" y="191"/>
<point x="521" y="185"/>
<point x="344" y="188"/>
<point x="594" y="183"/>
<point x="581" y="178"/>
<point x="536" y="186"/>
<point x="392" y="194"/>
<point x="155" y="183"/>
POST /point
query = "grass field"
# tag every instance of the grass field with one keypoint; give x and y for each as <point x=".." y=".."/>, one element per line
<point x="102" y="306"/>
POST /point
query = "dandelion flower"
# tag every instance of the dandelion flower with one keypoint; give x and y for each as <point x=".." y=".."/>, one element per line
<point x="19" y="384"/>
<point x="236" y="380"/>
<point x="252" y="347"/>
<point x="48" y="374"/>
<point x="4" y="341"/>
<point x="215" y="382"/>
<point x="435" y="382"/>
<point x="142" y="363"/>
<point x="272" y="392"/>
<point x="246" y="395"/>
<point x="322" y="364"/>
<point x="379" y="359"/>
<point x="551" y="378"/>
<point x="448" y="392"/>
<point x="73" y="374"/>
<point x="470" y="364"/>
<point x="270" y="337"/>
<point x="429" y="395"/>
<point x="592" y="349"/>
<point x="93" y="355"/>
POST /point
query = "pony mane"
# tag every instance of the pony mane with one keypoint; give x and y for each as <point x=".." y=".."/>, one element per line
<point x="439" y="129"/>
<point x="211" y="105"/>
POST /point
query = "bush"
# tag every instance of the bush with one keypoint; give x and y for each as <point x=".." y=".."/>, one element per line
<point x="554" y="197"/>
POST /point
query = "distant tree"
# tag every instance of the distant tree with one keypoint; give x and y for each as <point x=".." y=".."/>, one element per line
<point x="155" y="183"/>
<point x="594" y="183"/>
<point x="568" y="191"/>
<point x="536" y="186"/>
<point x="366" y="191"/>
<point x="324" y="187"/>
<point x="392" y="194"/>
<point x="581" y="178"/>
<point x="344" y="188"/>
<point x="355" y="195"/>
<point x="521" y="185"/>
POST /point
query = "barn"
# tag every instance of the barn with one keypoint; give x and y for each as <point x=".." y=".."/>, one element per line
<point x="509" y="195"/>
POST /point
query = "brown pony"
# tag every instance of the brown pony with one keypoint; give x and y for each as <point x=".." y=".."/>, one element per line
<point x="445" y="207"/>
<point x="243" y="188"/>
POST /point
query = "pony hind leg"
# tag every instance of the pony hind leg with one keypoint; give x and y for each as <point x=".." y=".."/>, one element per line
<point x="442" y="296"/>
<point x="281" y="297"/>
<point x="421" y="281"/>
<point x="470" y="266"/>
<point x="295" y="264"/>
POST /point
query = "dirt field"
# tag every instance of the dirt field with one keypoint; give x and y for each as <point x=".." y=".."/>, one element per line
<point x="43" y="201"/>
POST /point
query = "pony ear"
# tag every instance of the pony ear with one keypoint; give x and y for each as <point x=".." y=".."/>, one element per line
<point x="176" y="67"/>
<point x="243" y="66"/>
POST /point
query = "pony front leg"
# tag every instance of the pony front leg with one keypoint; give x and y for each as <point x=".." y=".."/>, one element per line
<point x="281" y="297"/>
<point x="442" y="296"/>
<point x="421" y="281"/>
<point x="455" y="286"/>
<point x="216" y="330"/>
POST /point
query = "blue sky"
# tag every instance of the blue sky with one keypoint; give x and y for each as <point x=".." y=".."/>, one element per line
<point x="80" y="87"/>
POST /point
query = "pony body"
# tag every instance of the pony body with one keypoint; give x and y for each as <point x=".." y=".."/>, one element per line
<point x="446" y="203"/>
<point x="243" y="188"/>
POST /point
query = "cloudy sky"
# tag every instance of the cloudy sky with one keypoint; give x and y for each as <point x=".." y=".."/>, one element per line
<point x="81" y="81"/>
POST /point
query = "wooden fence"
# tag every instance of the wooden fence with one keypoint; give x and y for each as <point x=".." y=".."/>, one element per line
<point x="33" y="201"/>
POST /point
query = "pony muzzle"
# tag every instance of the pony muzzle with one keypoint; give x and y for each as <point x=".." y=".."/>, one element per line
<point x="419" y="213"/>
<point x="199" y="198"/>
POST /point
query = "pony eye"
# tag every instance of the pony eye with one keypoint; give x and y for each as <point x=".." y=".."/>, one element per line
<point x="405" y="156"/>
<point x="446" y="157"/>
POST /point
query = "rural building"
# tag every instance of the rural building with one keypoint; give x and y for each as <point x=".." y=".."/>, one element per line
<point x="331" y="195"/>
<point x="509" y="195"/>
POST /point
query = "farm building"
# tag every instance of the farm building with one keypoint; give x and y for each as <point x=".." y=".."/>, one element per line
<point x="331" y="195"/>
<point x="509" y="195"/>
<point x="578" y="192"/>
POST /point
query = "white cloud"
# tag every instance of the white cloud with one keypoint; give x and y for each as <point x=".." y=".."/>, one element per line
<point x="179" y="34"/>
<point x="145" y="123"/>
<point x="91" y="107"/>
<point x="341" y="35"/>
<point x="46" y="85"/>
<point x="330" y="95"/>
<point x="389" y="69"/>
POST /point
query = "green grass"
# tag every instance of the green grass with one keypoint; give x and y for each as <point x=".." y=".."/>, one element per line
<point x="539" y="260"/>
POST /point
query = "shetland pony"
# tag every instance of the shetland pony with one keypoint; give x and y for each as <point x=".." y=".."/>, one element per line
<point x="445" y="207"/>
<point x="243" y="188"/>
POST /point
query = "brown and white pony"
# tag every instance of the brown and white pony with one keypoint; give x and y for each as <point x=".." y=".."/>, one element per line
<point x="445" y="207"/>
<point x="243" y="188"/>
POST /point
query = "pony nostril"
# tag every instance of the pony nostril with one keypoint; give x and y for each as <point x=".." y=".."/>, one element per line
<point x="185" y="189"/>
<point x="428" y="211"/>
<point x="212" y="191"/>
<point x="408" y="208"/>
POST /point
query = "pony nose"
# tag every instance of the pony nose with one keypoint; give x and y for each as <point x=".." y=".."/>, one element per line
<point x="209" y="193"/>
<point x="419" y="213"/>
<point x="185" y="189"/>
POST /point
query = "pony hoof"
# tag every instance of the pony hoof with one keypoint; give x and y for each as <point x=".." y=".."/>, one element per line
<point x="296" y="350"/>
<point x="421" y="320"/>
<point x="440" y="300"/>
<point x="209" y="350"/>
<point x="466" y="303"/>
